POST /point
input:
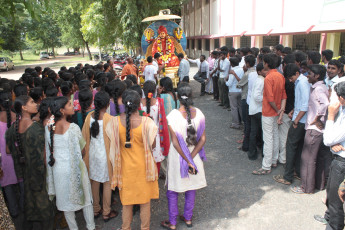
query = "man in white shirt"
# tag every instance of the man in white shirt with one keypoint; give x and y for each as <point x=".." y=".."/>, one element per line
<point x="334" y="137"/>
<point x="156" y="63"/>
<point x="150" y="71"/>
<point x="333" y="69"/>
<point x="255" y="110"/>
<point x="235" y="93"/>
<point x="183" y="70"/>
<point x="223" y="68"/>
<point x="203" y="72"/>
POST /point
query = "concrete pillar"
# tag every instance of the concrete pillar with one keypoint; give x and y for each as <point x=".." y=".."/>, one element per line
<point x="212" y="44"/>
<point x="333" y="43"/>
<point x="258" y="41"/>
<point x="203" y="47"/>
<point x="287" y="40"/>
<point x="323" y="41"/>
<point x="196" y="44"/>
<point x="222" y="41"/>
<point x="237" y="42"/>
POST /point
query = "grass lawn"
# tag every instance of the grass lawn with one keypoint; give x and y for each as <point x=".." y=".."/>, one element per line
<point x="29" y="58"/>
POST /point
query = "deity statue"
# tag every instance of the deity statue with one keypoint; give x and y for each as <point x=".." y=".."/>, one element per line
<point x="164" y="45"/>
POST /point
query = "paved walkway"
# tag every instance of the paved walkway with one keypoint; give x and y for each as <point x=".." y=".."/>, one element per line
<point x="234" y="198"/>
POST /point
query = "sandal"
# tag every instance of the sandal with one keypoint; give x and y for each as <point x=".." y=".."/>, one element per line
<point x="97" y="214"/>
<point x="298" y="190"/>
<point x="166" y="224"/>
<point x="189" y="225"/>
<point x="261" y="172"/>
<point x="112" y="214"/>
<point x="274" y="166"/>
<point x="296" y="177"/>
<point x="280" y="179"/>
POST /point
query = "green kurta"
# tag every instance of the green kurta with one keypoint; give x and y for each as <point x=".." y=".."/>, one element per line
<point x="37" y="206"/>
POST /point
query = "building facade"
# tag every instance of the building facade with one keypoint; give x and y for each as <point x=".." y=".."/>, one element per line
<point x="299" y="24"/>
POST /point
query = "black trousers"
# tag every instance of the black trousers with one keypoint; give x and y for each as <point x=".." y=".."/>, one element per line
<point x="294" y="146"/>
<point x="201" y="77"/>
<point x="255" y="137"/>
<point x="246" y="120"/>
<point x="323" y="164"/>
<point x="215" y="87"/>
<point x="335" y="211"/>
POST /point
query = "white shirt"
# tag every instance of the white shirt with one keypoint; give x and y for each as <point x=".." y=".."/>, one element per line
<point x="255" y="104"/>
<point x="224" y="65"/>
<point x="155" y="63"/>
<point x="242" y="63"/>
<point x="149" y="73"/>
<point x="202" y="66"/>
<point x="251" y="81"/>
<point x="334" y="132"/>
<point x="232" y="81"/>
<point x="183" y="69"/>
<point x="331" y="83"/>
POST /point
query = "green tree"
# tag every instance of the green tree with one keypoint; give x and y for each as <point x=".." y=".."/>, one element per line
<point x="44" y="33"/>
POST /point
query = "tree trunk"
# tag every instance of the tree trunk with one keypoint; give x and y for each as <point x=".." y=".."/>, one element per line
<point x="83" y="49"/>
<point x="67" y="49"/>
<point x="100" y="52"/>
<point x="88" y="49"/>
<point x="21" y="55"/>
<point x="53" y="52"/>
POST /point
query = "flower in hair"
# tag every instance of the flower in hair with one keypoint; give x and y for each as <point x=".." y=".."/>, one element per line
<point x="150" y="95"/>
<point x="184" y="97"/>
<point x="51" y="121"/>
<point x="129" y="103"/>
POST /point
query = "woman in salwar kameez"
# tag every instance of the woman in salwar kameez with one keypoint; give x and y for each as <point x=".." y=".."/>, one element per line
<point x="186" y="155"/>
<point x="25" y="141"/>
<point x="134" y="170"/>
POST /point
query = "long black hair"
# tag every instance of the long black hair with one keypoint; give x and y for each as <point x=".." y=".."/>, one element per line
<point x="6" y="103"/>
<point x="167" y="83"/>
<point x="18" y="104"/>
<point x="66" y="88"/>
<point x="101" y="101"/>
<point x="85" y="101"/>
<point x="184" y="92"/>
<point x="115" y="89"/>
<point x="44" y="108"/>
<point x="149" y="88"/>
<point x="131" y="100"/>
<point x="56" y="104"/>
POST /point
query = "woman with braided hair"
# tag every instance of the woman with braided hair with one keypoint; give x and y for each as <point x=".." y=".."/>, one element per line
<point x="166" y="92"/>
<point x="115" y="90"/>
<point x="9" y="181"/>
<point x="25" y="141"/>
<point x="85" y="102"/>
<point x="67" y="175"/>
<point x="97" y="155"/>
<point x="154" y="107"/>
<point x="132" y="139"/>
<point x="185" y="161"/>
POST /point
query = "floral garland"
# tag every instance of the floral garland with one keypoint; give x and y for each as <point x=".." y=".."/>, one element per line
<point x="168" y="46"/>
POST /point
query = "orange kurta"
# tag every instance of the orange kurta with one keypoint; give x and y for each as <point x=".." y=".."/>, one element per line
<point x="127" y="70"/>
<point x="135" y="189"/>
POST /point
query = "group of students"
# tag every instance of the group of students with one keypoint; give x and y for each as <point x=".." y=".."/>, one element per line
<point x="292" y="108"/>
<point x="64" y="134"/>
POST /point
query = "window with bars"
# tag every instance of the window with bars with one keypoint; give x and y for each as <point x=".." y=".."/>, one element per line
<point x="188" y="44"/>
<point x="245" y="41"/>
<point x="270" y="40"/>
<point x="207" y="44"/>
<point x="193" y="43"/>
<point x="229" y="42"/>
<point x="305" y="42"/>
<point x="199" y="44"/>
<point x="216" y="43"/>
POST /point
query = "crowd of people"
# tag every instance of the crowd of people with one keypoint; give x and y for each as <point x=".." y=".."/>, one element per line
<point x="290" y="106"/>
<point x="69" y="139"/>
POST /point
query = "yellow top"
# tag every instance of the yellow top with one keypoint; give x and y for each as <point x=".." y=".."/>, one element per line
<point x="136" y="189"/>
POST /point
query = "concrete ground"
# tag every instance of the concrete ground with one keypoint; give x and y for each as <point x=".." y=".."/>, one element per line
<point x="234" y="198"/>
